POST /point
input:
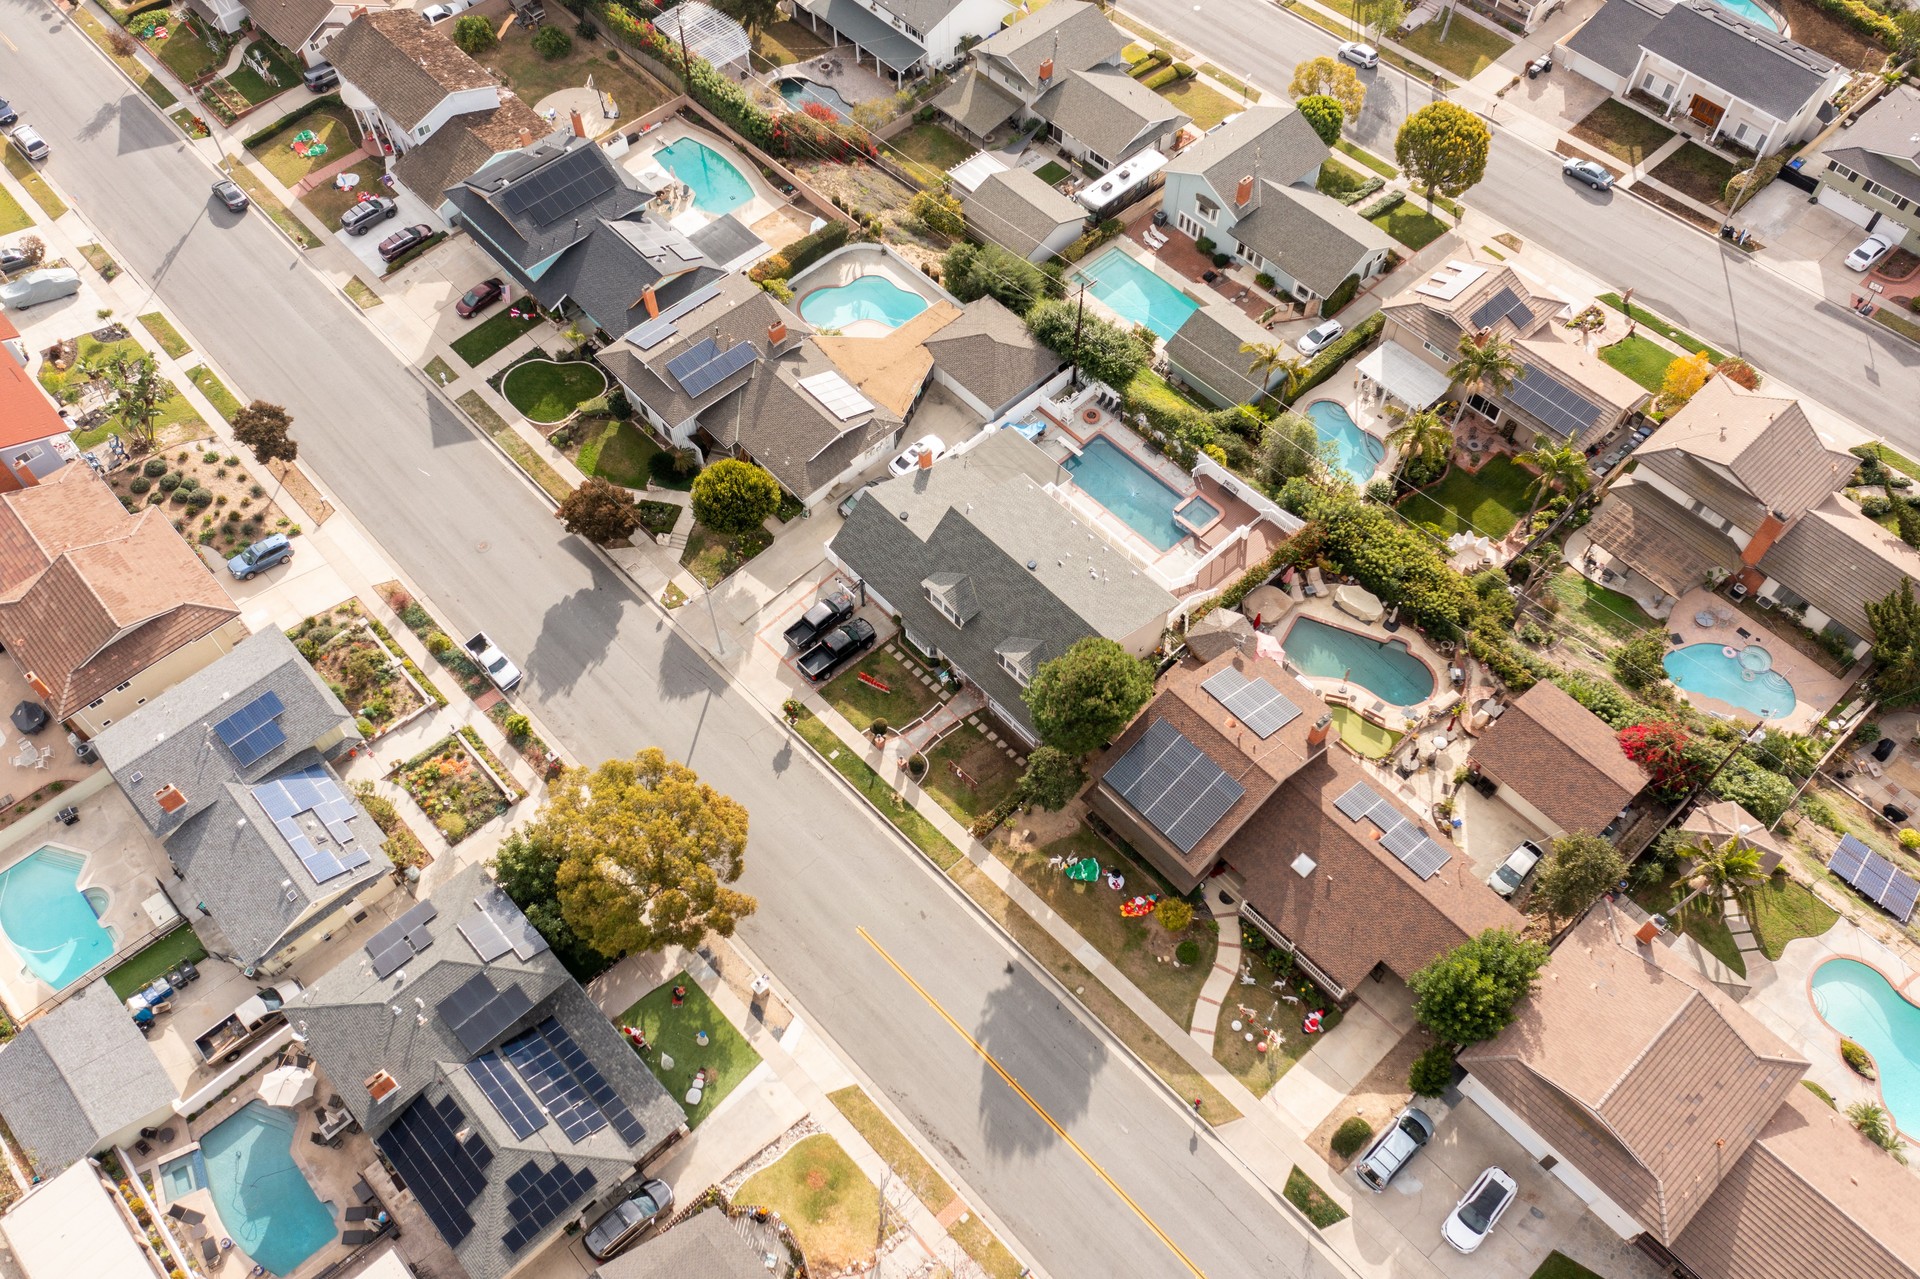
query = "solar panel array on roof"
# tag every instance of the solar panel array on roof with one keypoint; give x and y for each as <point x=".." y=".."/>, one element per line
<point x="313" y="790"/>
<point x="1357" y="801"/>
<point x="520" y="934"/>
<point x="488" y="942"/>
<point x="1564" y="410"/>
<point x="1875" y="878"/>
<point x="479" y="1012"/>
<point x="836" y="395"/>
<point x="568" y="1085"/>
<point x="692" y="358"/>
<point x="556" y="190"/>
<point x="1503" y="303"/>
<point x="539" y="1198"/>
<point x="1259" y="705"/>
<point x="253" y="730"/>
<point x="653" y="333"/>
<point x="399" y="941"/>
<point x="500" y="1087"/>
<point x="1404" y="839"/>
<point x="697" y="379"/>
<point x="445" y="1174"/>
<point x="1170" y="782"/>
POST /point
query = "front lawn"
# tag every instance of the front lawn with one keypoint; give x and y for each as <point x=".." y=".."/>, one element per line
<point x="495" y="333"/>
<point x="861" y="703"/>
<point x="1490" y="501"/>
<point x="332" y="127"/>
<point x="1200" y="100"/>
<point x="451" y="789"/>
<point x="1337" y="180"/>
<point x="675" y="1033"/>
<point x="1411" y="224"/>
<point x="1627" y="135"/>
<point x="182" y="944"/>
<point x="534" y="77"/>
<point x="1647" y="319"/>
<point x="1303" y="1193"/>
<point x="933" y="148"/>
<point x="1783" y="909"/>
<point x="282" y="73"/>
<point x="712" y="556"/>
<point x="165" y="334"/>
<point x="824" y="1198"/>
<point x="1467" y="51"/>
<point x="1642" y="360"/>
<point x="1613" y="615"/>
<point x="329" y="203"/>
<point x="184" y="52"/>
<point x="617" y="451"/>
<point x="1695" y="171"/>
<point x="1372" y="161"/>
<point x="990" y="775"/>
<point x="1259" y="1071"/>
<point x="12" y="216"/>
<point x="178" y="419"/>
<point x="1560" y="1266"/>
<point x="546" y="392"/>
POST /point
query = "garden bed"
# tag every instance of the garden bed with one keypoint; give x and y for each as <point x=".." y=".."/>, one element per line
<point x="402" y="847"/>
<point x="359" y="668"/>
<point x="453" y="789"/>
<point x="712" y="557"/>
<point x="523" y="741"/>
<point x="211" y="497"/>
<point x="447" y="651"/>
<point x="675" y="1033"/>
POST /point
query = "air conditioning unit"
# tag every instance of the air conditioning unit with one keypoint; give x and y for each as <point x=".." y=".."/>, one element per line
<point x="1764" y="601"/>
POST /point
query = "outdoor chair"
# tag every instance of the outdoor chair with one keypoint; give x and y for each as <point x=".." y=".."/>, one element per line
<point x="209" y="1252"/>
<point x="361" y="1213"/>
<point x="354" y="1238"/>
<point x="361" y="1190"/>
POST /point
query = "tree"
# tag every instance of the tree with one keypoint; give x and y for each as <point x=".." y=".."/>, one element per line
<point x="646" y="851"/>
<point x="526" y="868"/>
<point x="1906" y="40"/>
<point x="1906" y="521"/>
<point x="264" y="428"/>
<point x="755" y="15"/>
<point x="734" y="497"/>
<point x="1383" y="16"/>
<point x="1896" y="644"/>
<point x="1052" y="779"/>
<point x="1325" y="114"/>
<point x="1720" y="868"/>
<point x="972" y="271"/>
<point x="1324" y="77"/>
<point x="1270" y="358"/>
<point x="1640" y="662"/>
<point x="1660" y="748"/>
<point x="1104" y="351"/>
<point x="1873" y="1123"/>
<point x="1443" y="148"/>
<point x="140" y="393"/>
<point x="1422" y="434"/>
<point x="1483" y="363"/>
<point x="551" y="43"/>
<point x="1432" y="1072"/>
<point x="1685" y="375"/>
<point x="1290" y="447"/>
<point x="1083" y="698"/>
<point x="1469" y="993"/>
<point x="1562" y="469"/>
<point x="474" y="34"/>
<point x="1578" y="869"/>
<point x="939" y="212"/>
<point x="600" y="511"/>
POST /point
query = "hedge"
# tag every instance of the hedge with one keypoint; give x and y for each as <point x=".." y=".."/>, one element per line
<point x="801" y="254"/>
<point x="406" y="258"/>
<point x="1093" y="239"/>
<point x="1362" y="191"/>
<point x="1347" y="345"/>
<point x="1183" y="71"/>
<point x="145" y="6"/>
<point x="325" y="100"/>
<point x="1385" y="204"/>
<point x="1342" y="294"/>
<point x="1161" y="78"/>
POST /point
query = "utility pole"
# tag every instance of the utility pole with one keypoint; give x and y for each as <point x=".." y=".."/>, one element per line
<point x="1079" y="318"/>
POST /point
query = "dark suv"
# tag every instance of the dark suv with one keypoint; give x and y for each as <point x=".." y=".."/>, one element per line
<point x="362" y="216"/>
<point x="401" y="242"/>
<point x="320" y="78"/>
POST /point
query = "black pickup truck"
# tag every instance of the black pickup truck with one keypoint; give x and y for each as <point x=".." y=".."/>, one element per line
<point x="821" y="618"/>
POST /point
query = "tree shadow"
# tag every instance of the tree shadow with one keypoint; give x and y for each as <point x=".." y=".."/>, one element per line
<point x="577" y="631"/>
<point x="1049" y="1048"/>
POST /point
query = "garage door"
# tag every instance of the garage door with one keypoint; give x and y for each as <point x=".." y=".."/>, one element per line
<point x="1896" y="231"/>
<point x="1846" y="206"/>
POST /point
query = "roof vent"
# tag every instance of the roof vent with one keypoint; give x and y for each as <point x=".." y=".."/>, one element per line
<point x="170" y="798"/>
<point x="1032" y="565"/>
<point x="381" y="1085"/>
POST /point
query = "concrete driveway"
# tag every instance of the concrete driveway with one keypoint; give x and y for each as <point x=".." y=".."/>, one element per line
<point x="1805" y="241"/>
<point x="367" y="247"/>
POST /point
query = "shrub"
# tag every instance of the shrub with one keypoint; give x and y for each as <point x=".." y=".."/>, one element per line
<point x="1342" y="294"/>
<point x="1432" y="1072"/>
<point x="1350" y="1136"/>
<point x="1858" y="1059"/>
<point x="917" y="766"/>
<point x="473" y="33"/>
<point x="733" y="496"/>
<point x="1385" y="204"/>
<point x="1204" y="247"/>
<point x="586" y="29"/>
<point x="1175" y="914"/>
<point x="552" y="43"/>
<point x="518" y="727"/>
<point x="139" y="484"/>
<point x="1910" y="839"/>
<point x="439" y="643"/>
<point x="879" y="727"/>
<point x="154" y="468"/>
<point x="1187" y="953"/>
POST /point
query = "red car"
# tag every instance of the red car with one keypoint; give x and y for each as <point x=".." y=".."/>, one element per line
<point x="479" y="298"/>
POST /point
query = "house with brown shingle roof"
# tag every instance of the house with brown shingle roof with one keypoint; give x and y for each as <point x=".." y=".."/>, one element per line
<point x="403" y="79"/>
<point x="1557" y="764"/>
<point x="304" y="27"/>
<point x="102" y="609"/>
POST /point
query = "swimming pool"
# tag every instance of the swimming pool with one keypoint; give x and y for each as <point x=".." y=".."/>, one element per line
<point x="1137" y="293"/>
<point x="799" y="92"/>
<point x="263" y="1199"/>
<point x="52" y="924"/>
<point x="1751" y="12"/>
<point x="183" y="1176"/>
<point x="865" y="297"/>
<point x="1858" y="1002"/>
<point x="717" y="186"/>
<point x="1359" y="453"/>
<point x="1144" y="502"/>
<point x="1746" y="679"/>
<point x="1333" y="652"/>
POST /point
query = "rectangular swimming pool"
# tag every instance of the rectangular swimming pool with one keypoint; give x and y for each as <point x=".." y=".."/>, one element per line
<point x="1137" y="293"/>
<point x="1143" y="501"/>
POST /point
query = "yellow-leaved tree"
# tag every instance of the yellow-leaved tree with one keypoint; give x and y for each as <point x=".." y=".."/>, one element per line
<point x="1687" y="374"/>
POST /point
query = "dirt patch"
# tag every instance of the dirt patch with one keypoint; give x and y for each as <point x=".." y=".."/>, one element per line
<point x="1377" y="1099"/>
<point x="1039" y="827"/>
<point x="206" y="492"/>
<point x="1824" y="33"/>
<point x="302" y="491"/>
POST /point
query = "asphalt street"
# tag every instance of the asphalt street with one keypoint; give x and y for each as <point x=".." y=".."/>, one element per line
<point x="1720" y="295"/>
<point x="609" y="676"/>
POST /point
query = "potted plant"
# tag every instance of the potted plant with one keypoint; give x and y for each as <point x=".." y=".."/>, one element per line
<point x="791" y="708"/>
<point x="878" y="730"/>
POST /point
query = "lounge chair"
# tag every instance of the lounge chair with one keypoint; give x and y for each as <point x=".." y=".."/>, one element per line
<point x="209" y="1252"/>
<point x="361" y="1190"/>
<point x="1316" y="584"/>
<point x="354" y="1238"/>
<point x="361" y="1213"/>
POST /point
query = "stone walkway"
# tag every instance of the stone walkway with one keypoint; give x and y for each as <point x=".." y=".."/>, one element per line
<point x="1226" y="968"/>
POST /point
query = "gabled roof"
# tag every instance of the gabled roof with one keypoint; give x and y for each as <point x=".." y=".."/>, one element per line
<point x="1312" y="237"/>
<point x="1750" y="61"/>
<point x="1838" y="560"/>
<point x="788" y="429"/>
<point x="1637" y="1070"/>
<point x="1880" y="143"/>
<point x="1738" y="445"/>
<point x="978" y="104"/>
<point x="1074" y="34"/>
<point x="1659" y="539"/>
<point x="1262" y="142"/>
<point x="464" y="144"/>
<point x="1018" y="211"/>
<point x="291" y="22"/>
<point x="922" y="15"/>
<point x="737" y="311"/>
<point x="78" y="1077"/>
<point x="91" y="595"/>
<point x="705" y="1246"/>
<point x="1561" y="757"/>
<point x="1108" y="112"/>
<point x="1614" y="34"/>
<point x="26" y="414"/>
<point x="1725" y="820"/>
<point x="990" y="352"/>
<point x="407" y="67"/>
<point x="1207" y="349"/>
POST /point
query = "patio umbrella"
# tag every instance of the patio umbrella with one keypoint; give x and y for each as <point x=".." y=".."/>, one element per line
<point x="29" y="717"/>
<point x="287" y="1086"/>
<point x="1268" y="603"/>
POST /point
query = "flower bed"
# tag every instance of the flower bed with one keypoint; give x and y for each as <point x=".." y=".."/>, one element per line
<point x="402" y="847"/>
<point x="473" y="681"/>
<point x="453" y="789"/>
<point x="362" y="672"/>
<point x="521" y="737"/>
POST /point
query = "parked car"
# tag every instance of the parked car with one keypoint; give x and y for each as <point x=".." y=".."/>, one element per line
<point x="401" y="243"/>
<point x="1394" y="1148"/>
<point x="438" y="13"/>
<point x="8" y="116"/>
<point x="1870" y="251"/>
<point x="910" y="458"/>
<point x="629" y="1219"/>
<point x="1591" y="172"/>
<point x="837" y="647"/>
<point x="846" y="503"/>
<point x="361" y="217"/>
<point x="1319" y="337"/>
<point x="320" y="77"/>
<point x="229" y="193"/>
<point x="818" y="620"/>
<point x="35" y="287"/>
<point x="504" y="674"/>
<point x="1360" y="55"/>
<point x="479" y="298"/>
<point x="270" y="551"/>
<point x="15" y="259"/>
<point x="1511" y="873"/>
<point x="1478" y="1211"/>
<point x="28" y="142"/>
<point x="1540" y="66"/>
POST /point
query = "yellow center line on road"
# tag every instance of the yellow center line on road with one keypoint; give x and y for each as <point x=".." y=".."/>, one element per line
<point x="1038" y="1109"/>
<point x="10" y="44"/>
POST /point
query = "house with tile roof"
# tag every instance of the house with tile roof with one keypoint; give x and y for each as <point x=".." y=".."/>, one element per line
<point x="1016" y="210"/>
<point x="232" y="770"/>
<point x="904" y="37"/>
<point x="510" y="1106"/>
<point x="989" y="359"/>
<point x="1702" y="65"/>
<point x="1870" y="173"/>
<point x="34" y="438"/>
<point x="1557" y="764"/>
<point x="404" y="79"/>
<point x="303" y="27"/>
<point x="100" y="608"/>
<point x="1679" y="1119"/>
<point x="1015" y="65"/>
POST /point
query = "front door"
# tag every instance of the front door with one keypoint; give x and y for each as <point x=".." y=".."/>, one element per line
<point x="1707" y="113"/>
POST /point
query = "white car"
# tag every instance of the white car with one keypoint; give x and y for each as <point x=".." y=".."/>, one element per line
<point x="1511" y="873"/>
<point x="1870" y="251"/>
<point x="437" y="13"/>
<point x="1319" y="337"/>
<point x="908" y="461"/>
<point x="1360" y="55"/>
<point x="1478" y="1211"/>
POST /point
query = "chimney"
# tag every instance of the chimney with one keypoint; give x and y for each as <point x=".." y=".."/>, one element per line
<point x="526" y="137"/>
<point x="776" y="333"/>
<point x="170" y="798"/>
<point x="652" y="301"/>
<point x="381" y="1085"/>
<point x="1648" y="931"/>
<point x="579" y="125"/>
<point x="1046" y="70"/>
<point x="1243" y="194"/>
<point x="1317" y="735"/>
<point x="1763" y="538"/>
<point x="39" y="685"/>
<point x="358" y="11"/>
<point x="926" y="459"/>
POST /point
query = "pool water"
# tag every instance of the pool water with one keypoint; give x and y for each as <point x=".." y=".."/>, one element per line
<point x="53" y="925"/>
<point x="866" y="297"/>
<point x="183" y="1176"/>
<point x="1144" y="502"/>
<point x="1707" y="670"/>
<point x="1359" y="453"/>
<point x="1136" y="293"/>
<point x="717" y="186"/>
<point x="1856" y="1001"/>
<point x="1750" y="11"/>
<point x="264" y="1201"/>
<point x="1393" y="673"/>
<point x="799" y="92"/>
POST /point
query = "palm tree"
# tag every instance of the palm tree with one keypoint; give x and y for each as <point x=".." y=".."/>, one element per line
<point x="1271" y="358"/>
<point x="1486" y="364"/>
<point x="1731" y="865"/>
<point x="1425" y="435"/>
<point x="1563" y="469"/>
<point x="1874" y="1124"/>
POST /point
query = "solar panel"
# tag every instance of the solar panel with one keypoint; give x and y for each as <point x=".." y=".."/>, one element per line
<point x="1357" y="802"/>
<point x="420" y="938"/>
<point x="1563" y="409"/>
<point x="1849" y="858"/>
<point x="836" y="395"/>
<point x="1426" y="859"/>
<point x="1383" y="814"/>
<point x="561" y="1096"/>
<point x="507" y="917"/>
<point x="597" y="1088"/>
<point x="653" y="333"/>
<point x="467" y="998"/>
<point x="692" y="358"/>
<point x="260" y="710"/>
<point x="1874" y="877"/>
<point x="1900" y="897"/>
<point x="445" y="1174"/>
<point x="1495" y="308"/>
<point x="387" y="958"/>
<point x="699" y="381"/>
<point x="492" y="1019"/>
<point x="1259" y="705"/>
<point x="1171" y="783"/>
<point x="262" y="741"/>
<point x="1402" y="839"/>
<point x="541" y="1199"/>
<point x="498" y="1084"/>
<point x="488" y="942"/>
<point x="418" y="914"/>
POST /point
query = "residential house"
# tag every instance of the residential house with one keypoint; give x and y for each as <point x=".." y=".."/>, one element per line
<point x="733" y="372"/>
<point x="489" y="1020"/>
<point x="34" y="439"/>
<point x="987" y="569"/>
<point x="1104" y="118"/>
<point x="1021" y="61"/>
<point x="706" y="1244"/>
<point x="1699" y="63"/>
<point x="1830" y="565"/>
<point x="1872" y="172"/>
<point x="990" y="360"/>
<point x="303" y="27"/>
<point x="1019" y="212"/>
<point x="79" y="1079"/>
<point x="1208" y="353"/>
<point x="102" y="609"/>
<point x="1528" y="13"/>
<point x="907" y="38"/>
<point x="232" y="770"/>
<point x="75" y="1224"/>
<point x="1227" y="776"/>
<point x="465" y="145"/>
<point x="1680" y="1120"/>
<point x="1564" y="394"/>
<point x="403" y="79"/>
<point x="1557" y="764"/>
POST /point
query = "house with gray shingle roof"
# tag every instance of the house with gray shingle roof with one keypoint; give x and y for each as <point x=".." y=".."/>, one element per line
<point x="1018" y="63"/>
<point x="1102" y="118"/>
<point x="303" y="27"/>
<point x="904" y="37"/>
<point x="990" y="359"/>
<point x="1871" y="172"/>
<point x="707" y="1245"/>
<point x="1208" y="353"/>
<point x="407" y="78"/>
<point x="1019" y="212"/>
<point x="1706" y="67"/>
<point x="231" y="770"/>
<point x="79" y="1079"/>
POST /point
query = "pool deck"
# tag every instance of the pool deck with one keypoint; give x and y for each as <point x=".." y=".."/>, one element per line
<point x="770" y="214"/>
<point x="1433" y="709"/>
<point x="1814" y="690"/>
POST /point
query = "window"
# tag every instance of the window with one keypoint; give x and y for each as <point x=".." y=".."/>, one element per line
<point x="1012" y="668"/>
<point x="1186" y="223"/>
<point x="1891" y="196"/>
<point x="1654" y="85"/>
<point x="1484" y="407"/>
<point x="1740" y="132"/>
<point x="96" y="703"/>
<point x="1436" y="352"/>
<point x="1208" y="209"/>
<point x="1834" y="166"/>
<point x="121" y="688"/>
<point x="946" y="609"/>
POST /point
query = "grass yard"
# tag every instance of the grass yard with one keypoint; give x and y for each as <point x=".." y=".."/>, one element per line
<point x="328" y="203"/>
<point x="178" y="419"/>
<point x="712" y="556"/>
<point x="1337" y="180"/>
<point x="1560" y="1266"/>
<point x="1627" y="135"/>
<point x="98" y="32"/>
<point x="1234" y="83"/>
<point x="618" y="451"/>
<point x="1647" y="319"/>
<point x="333" y="126"/>
<point x="1305" y="1194"/>
<point x="1783" y="909"/>
<point x="1702" y="921"/>
<point x="1490" y="501"/>
<point x="861" y="704"/>
<point x="933" y="149"/>
<point x="1642" y="360"/>
<point x="1467" y="51"/>
<point x="494" y="334"/>
<point x="787" y="42"/>
<point x="1363" y="735"/>
<point x="1410" y="224"/>
<point x="993" y="775"/>
<point x="1260" y="1071"/>
<point x="224" y="402"/>
<point x="184" y="53"/>
<point x="22" y="168"/>
<point x="12" y="216"/>
<point x="282" y="73"/>
<point x="1200" y="100"/>
<point x="515" y="447"/>
<point x="843" y="760"/>
<point x="928" y="1186"/>
<point x="546" y="392"/>
<point x="154" y="961"/>
<point x="439" y="370"/>
<point x="828" y="1203"/>
<point x="165" y="334"/>
<point x="533" y="77"/>
<point x="1695" y="171"/>
<point x="727" y="1057"/>
<point x="1596" y="609"/>
<point x="265" y="199"/>
<point x="362" y="294"/>
<point x="1367" y="158"/>
<point x="1052" y="173"/>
